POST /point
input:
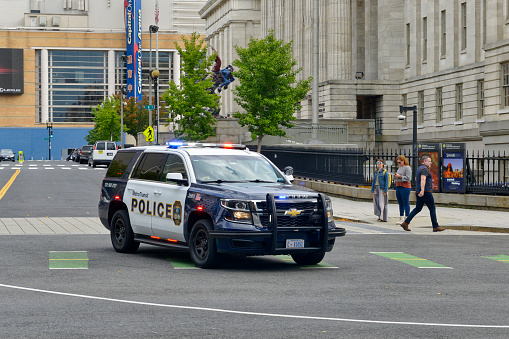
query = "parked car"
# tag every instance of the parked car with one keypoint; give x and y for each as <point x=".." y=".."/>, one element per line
<point x="85" y="153"/>
<point x="103" y="153"/>
<point x="7" y="154"/>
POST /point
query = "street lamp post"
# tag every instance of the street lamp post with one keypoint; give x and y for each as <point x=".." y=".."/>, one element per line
<point x="151" y="29"/>
<point x="49" y="126"/>
<point x="155" y="76"/>
<point x="414" y="132"/>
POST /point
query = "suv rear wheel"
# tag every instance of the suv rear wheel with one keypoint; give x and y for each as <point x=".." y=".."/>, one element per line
<point x="202" y="247"/>
<point x="122" y="237"/>
<point x="312" y="258"/>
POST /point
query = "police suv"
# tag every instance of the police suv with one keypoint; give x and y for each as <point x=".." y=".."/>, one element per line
<point x="211" y="200"/>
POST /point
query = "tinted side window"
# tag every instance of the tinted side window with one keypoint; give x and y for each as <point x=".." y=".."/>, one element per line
<point x="174" y="164"/>
<point x="150" y="166"/>
<point x="119" y="164"/>
<point x="111" y="146"/>
<point x="100" y="146"/>
<point x="88" y="148"/>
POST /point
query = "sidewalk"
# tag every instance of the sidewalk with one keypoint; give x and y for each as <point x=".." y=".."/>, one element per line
<point x="450" y="218"/>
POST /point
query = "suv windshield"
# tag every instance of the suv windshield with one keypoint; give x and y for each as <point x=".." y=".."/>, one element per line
<point x="234" y="169"/>
<point x="87" y="147"/>
<point x="6" y="151"/>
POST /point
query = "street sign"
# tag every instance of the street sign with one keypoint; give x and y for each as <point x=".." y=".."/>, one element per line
<point x="149" y="134"/>
<point x="46" y="138"/>
<point x="149" y="107"/>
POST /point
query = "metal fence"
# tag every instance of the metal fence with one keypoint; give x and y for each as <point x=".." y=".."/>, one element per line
<point x="484" y="172"/>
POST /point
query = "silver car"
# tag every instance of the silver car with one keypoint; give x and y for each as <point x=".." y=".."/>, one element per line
<point x="7" y="154"/>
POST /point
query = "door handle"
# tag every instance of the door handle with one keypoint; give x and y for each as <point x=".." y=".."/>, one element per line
<point x="157" y="192"/>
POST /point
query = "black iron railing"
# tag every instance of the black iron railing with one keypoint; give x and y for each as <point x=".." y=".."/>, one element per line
<point x="484" y="172"/>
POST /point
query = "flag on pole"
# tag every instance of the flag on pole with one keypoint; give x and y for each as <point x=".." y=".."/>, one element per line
<point x="157" y="12"/>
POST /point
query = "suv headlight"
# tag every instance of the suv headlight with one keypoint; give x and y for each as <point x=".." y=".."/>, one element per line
<point x="238" y="210"/>
<point x="330" y="213"/>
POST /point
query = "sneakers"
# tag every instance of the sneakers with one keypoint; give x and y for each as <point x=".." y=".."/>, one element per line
<point x="438" y="229"/>
<point x="404" y="225"/>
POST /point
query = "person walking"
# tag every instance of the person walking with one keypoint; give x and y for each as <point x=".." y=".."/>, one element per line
<point x="379" y="188"/>
<point x="403" y="187"/>
<point x="423" y="189"/>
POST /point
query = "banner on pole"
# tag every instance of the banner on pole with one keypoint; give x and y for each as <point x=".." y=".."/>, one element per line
<point x="132" y="16"/>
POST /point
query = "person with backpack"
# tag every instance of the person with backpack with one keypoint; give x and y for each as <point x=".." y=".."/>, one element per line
<point x="423" y="189"/>
<point x="403" y="187"/>
<point x="379" y="188"/>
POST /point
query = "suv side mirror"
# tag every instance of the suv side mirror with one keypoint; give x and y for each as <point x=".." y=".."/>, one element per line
<point x="288" y="172"/>
<point x="177" y="178"/>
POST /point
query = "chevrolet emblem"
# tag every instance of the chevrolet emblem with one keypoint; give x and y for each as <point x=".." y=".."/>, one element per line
<point x="293" y="212"/>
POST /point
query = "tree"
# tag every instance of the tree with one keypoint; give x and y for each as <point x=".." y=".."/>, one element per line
<point x="136" y="115"/>
<point x="190" y="103"/>
<point x="267" y="90"/>
<point x="107" y="121"/>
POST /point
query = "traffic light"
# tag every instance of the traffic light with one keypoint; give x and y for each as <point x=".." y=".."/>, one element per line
<point x="51" y="133"/>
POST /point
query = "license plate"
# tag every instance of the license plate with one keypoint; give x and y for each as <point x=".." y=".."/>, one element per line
<point x="292" y="243"/>
<point x="109" y="154"/>
<point x="100" y="152"/>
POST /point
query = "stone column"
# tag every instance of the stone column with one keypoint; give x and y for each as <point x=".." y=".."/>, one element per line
<point x="339" y="39"/>
<point x="111" y="72"/>
<point x="176" y="67"/>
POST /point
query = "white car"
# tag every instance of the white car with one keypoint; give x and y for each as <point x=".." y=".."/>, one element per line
<point x="103" y="153"/>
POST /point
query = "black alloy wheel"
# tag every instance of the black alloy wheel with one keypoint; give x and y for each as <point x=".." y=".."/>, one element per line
<point x="122" y="237"/>
<point x="202" y="247"/>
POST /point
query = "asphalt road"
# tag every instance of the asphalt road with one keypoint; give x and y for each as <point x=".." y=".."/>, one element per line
<point x="359" y="292"/>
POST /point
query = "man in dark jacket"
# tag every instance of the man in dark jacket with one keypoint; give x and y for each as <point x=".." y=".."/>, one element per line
<point x="423" y="189"/>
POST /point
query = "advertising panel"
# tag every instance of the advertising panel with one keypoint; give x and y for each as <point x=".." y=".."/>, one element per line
<point x="434" y="151"/>
<point x="453" y="163"/>
<point x="11" y="71"/>
<point x="132" y="12"/>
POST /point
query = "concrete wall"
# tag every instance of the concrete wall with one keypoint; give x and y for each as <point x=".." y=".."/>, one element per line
<point x="364" y="193"/>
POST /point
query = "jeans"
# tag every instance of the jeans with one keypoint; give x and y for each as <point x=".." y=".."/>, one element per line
<point x="403" y="195"/>
<point x="426" y="199"/>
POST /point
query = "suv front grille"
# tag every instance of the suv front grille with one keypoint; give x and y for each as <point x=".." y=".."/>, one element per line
<point x="306" y="208"/>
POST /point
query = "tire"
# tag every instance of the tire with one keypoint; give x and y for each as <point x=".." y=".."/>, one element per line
<point x="122" y="237"/>
<point x="94" y="164"/>
<point x="310" y="258"/>
<point x="202" y="247"/>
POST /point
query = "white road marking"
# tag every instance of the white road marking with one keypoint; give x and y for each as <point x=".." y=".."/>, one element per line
<point x="250" y="313"/>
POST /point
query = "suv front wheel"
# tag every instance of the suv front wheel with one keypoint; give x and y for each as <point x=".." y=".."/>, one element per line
<point x="122" y="237"/>
<point x="203" y="248"/>
<point x="312" y="258"/>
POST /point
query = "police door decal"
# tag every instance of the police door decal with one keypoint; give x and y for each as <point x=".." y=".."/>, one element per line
<point x="177" y="213"/>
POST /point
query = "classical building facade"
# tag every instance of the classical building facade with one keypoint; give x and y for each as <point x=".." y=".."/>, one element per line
<point x="71" y="53"/>
<point x="448" y="57"/>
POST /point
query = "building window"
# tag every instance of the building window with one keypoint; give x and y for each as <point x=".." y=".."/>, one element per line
<point x="424" y="39"/>
<point x="505" y="84"/>
<point x="480" y="99"/>
<point x="408" y="44"/>
<point x="440" y="105"/>
<point x="463" y="26"/>
<point x="405" y="103"/>
<point x="459" y="102"/>
<point x="443" y="34"/>
<point x="420" y="108"/>
<point x="77" y="81"/>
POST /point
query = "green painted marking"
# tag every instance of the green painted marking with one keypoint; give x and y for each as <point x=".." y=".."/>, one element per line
<point x="319" y="265"/>
<point x="501" y="257"/>
<point x="68" y="260"/>
<point x="182" y="263"/>
<point x="410" y="259"/>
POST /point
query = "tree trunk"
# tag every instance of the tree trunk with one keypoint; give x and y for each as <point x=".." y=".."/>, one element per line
<point x="259" y="149"/>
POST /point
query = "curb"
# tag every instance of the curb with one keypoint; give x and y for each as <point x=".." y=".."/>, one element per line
<point x="451" y="227"/>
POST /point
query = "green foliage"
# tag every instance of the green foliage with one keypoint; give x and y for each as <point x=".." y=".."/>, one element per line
<point x="136" y="115"/>
<point x="107" y="121"/>
<point x="267" y="88"/>
<point x="190" y="104"/>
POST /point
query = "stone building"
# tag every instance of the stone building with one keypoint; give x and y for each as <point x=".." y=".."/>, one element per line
<point x="448" y="57"/>
<point x="71" y="55"/>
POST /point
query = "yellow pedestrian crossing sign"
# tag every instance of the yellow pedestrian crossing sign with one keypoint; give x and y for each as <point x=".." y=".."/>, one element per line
<point x="149" y="134"/>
